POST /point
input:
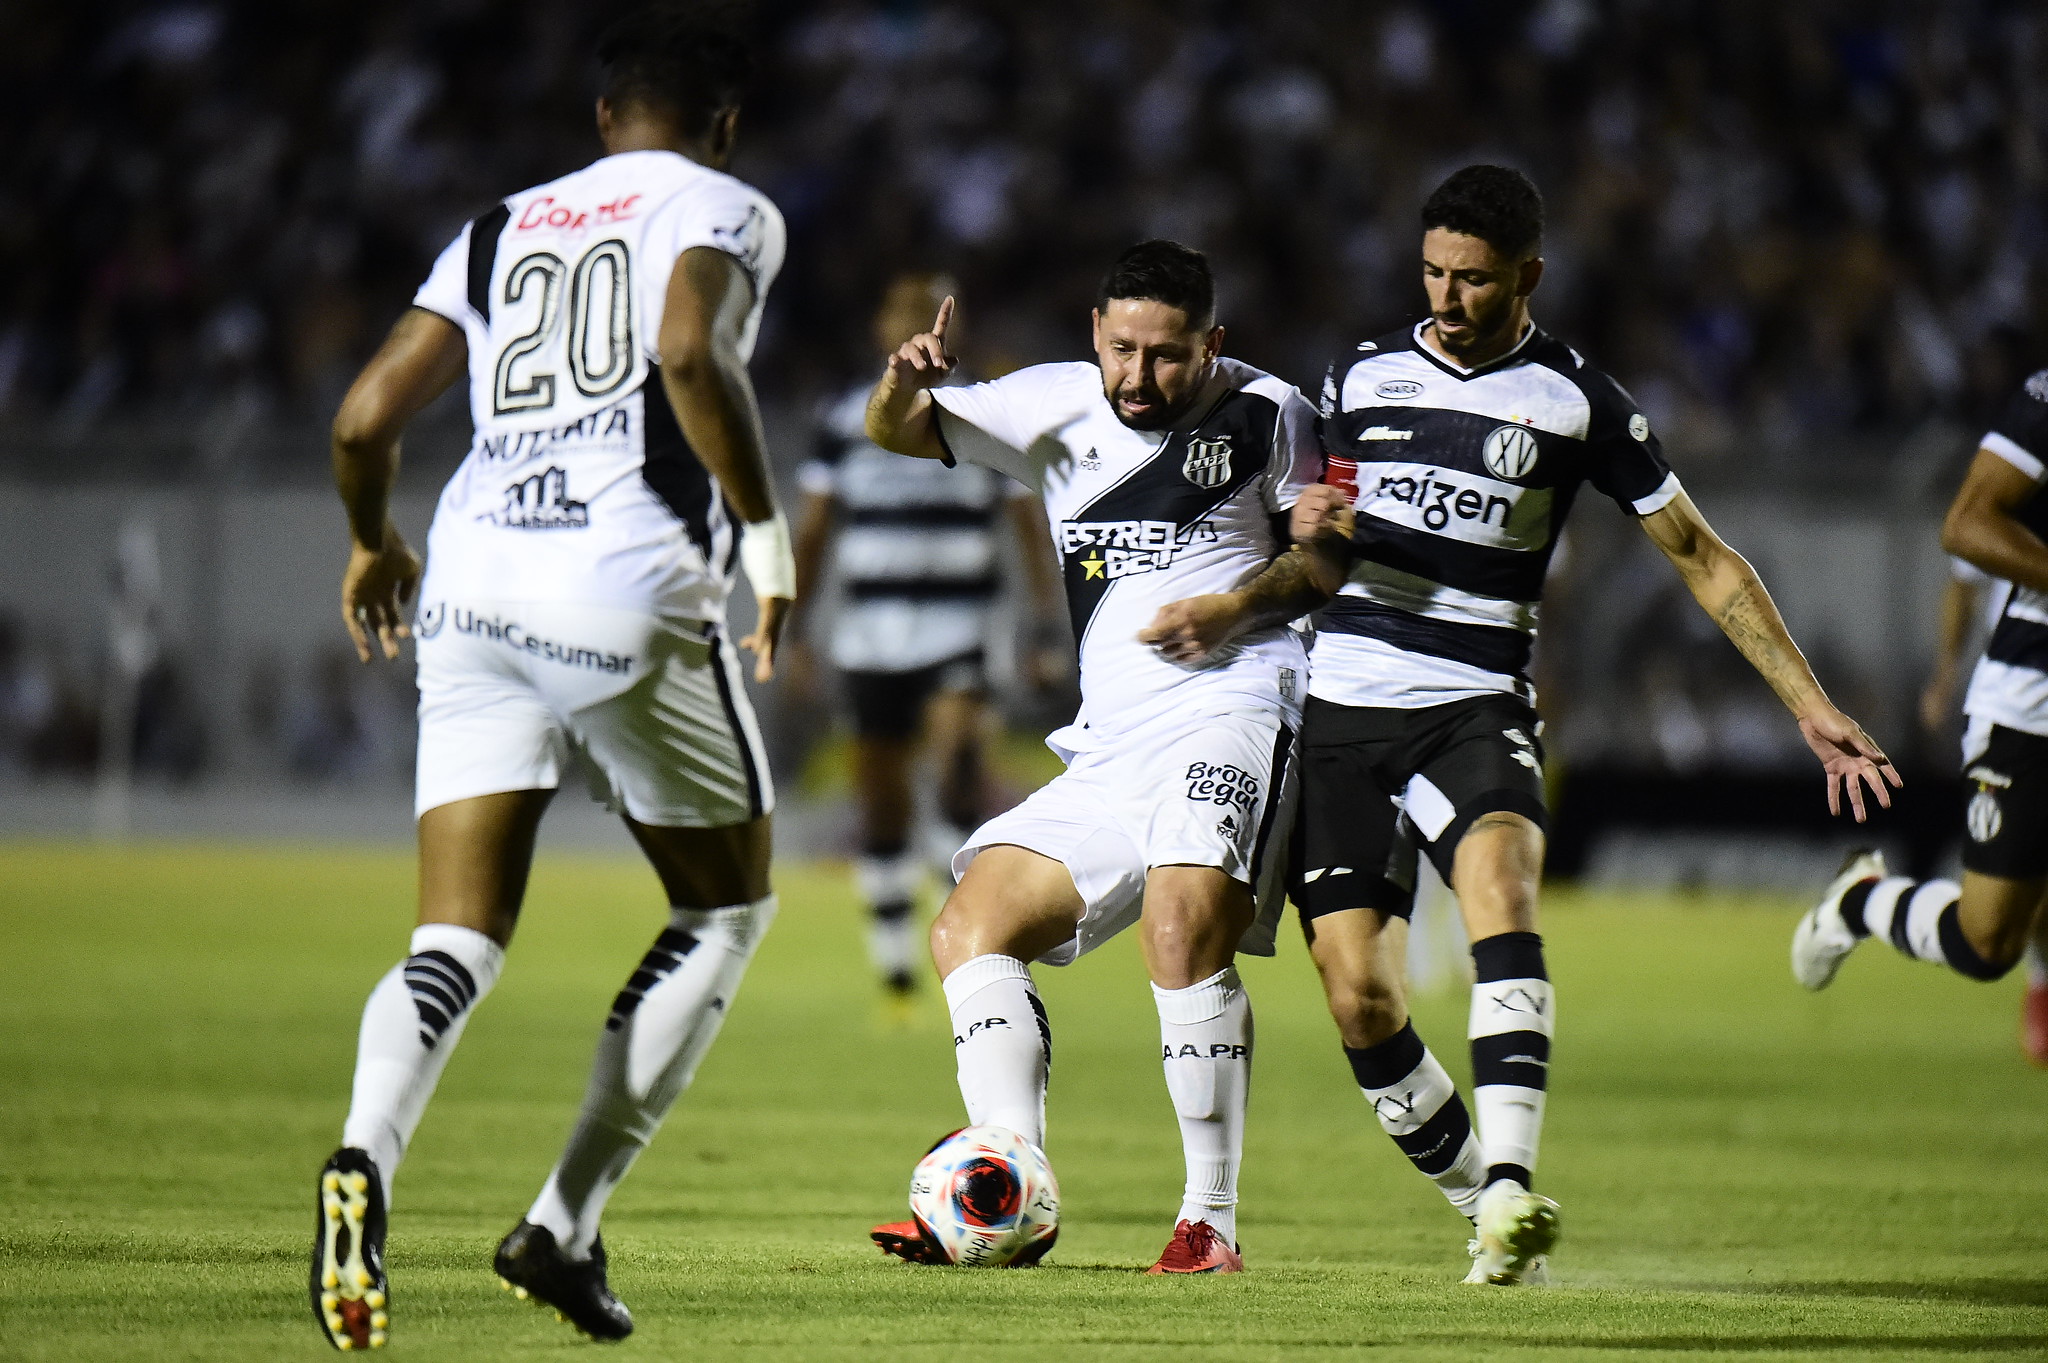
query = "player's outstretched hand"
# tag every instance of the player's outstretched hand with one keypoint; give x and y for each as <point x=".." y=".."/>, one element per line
<point x="767" y="635"/>
<point x="1852" y="760"/>
<point x="1322" y="510"/>
<point x="1191" y="631"/>
<point x="923" y="361"/>
<point x="376" y="588"/>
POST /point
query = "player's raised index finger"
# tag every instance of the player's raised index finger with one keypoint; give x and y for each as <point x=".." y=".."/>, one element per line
<point x="944" y="319"/>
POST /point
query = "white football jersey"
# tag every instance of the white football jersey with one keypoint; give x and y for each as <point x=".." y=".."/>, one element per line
<point x="1144" y="518"/>
<point x="579" y="485"/>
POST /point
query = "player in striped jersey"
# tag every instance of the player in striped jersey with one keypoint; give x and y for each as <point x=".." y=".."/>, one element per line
<point x="1454" y="451"/>
<point x="918" y="552"/>
<point x="1979" y="928"/>
<point x="1972" y="598"/>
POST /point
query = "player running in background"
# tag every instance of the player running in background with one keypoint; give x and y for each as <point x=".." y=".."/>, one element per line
<point x="918" y="550"/>
<point x="1968" y="597"/>
<point x="574" y="601"/>
<point x="1998" y="522"/>
<point x="1455" y="450"/>
<point x="1163" y="466"/>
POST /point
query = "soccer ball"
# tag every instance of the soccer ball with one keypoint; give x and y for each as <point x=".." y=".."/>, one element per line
<point x="987" y="1198"/>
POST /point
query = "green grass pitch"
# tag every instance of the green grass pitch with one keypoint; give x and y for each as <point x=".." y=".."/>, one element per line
<point x="1745" y="1171"/>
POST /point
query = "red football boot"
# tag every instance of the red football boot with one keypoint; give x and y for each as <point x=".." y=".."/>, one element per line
<point x="908" y="1242"/>
<point x="1197" y="1248"/>
<point x="2034" y="1024"/>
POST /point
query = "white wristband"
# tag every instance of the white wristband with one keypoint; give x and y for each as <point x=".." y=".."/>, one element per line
<point x="766" y="556"/>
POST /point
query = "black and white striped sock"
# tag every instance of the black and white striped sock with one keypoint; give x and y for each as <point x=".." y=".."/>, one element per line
<point x="1513" y="1010"/>
<point x="889" y="880"/>
<point x="1919" y="917"/>
<point x="1419" y="1107"/>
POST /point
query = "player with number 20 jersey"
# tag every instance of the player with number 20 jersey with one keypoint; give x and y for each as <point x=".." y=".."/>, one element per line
<point x="574" y="602"/>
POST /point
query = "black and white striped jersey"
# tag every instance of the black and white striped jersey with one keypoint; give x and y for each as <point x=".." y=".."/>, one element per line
<point x="2010" y="685"/>
<point x="1462" y="479"/>
<point x="579" y="484"/>
<point x="917" y="547"/>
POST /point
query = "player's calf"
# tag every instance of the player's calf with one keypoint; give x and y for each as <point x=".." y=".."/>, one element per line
<point x="1419" y="1108"/>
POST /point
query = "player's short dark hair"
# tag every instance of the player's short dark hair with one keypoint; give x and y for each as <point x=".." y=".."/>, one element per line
<point x="687" y="60"/>
<point x="1499" y="205"/>
<point x="1163" y="272"/>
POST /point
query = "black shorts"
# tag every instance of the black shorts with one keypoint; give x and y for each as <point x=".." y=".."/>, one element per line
<point x="1376" y="784"/>
<point x="891" y="704"/>
<point x="2005" y="824"/>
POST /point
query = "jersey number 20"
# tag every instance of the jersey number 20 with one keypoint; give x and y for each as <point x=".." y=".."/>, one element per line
<point x="599" y="334"/>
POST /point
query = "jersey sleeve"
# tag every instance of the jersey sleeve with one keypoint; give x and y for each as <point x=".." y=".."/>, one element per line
<point x="1623" y="456"/>
<point x="1297" y="460"/>
<point x="723" y="214"/>
<point x="446" y="291"/>
<point x="996" y="424"/>
<point x="2021" y="435"/>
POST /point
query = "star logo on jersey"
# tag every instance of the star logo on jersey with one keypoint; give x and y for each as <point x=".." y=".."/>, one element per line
<point x="1510" y="453"/>
<point x="1208" y="462"/>
<point x="1092" y="566"/>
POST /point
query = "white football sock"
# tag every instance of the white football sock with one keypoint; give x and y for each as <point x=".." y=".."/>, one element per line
<point x="1205" y="1032"/>
<point x="660" y="1027"/>
<point x="1002" y="1044"/>
<point x="413" y="1019"/>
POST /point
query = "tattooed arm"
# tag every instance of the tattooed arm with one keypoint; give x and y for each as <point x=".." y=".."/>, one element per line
<point x="1292" y="585"/>
<point x="1729" y="590"/>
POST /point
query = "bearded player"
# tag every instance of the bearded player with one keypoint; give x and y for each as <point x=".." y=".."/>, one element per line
<point x="1163" y="466"/>
<point x="1455" y="449"/>
<point x="574" y="602"/>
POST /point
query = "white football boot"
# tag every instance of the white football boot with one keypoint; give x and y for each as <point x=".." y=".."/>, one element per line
<point x="1517" y="1229"/>
<point x="1822" y="941"/>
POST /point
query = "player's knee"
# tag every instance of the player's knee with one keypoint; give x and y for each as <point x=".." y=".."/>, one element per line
<point x="968" y="926"/>
<point x="2000" y="950"/>
<point x="1185" y="926"/>
<point x="1366" y="1008"/>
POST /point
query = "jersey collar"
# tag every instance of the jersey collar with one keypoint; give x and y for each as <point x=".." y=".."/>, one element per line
<point x="1459" y="371"/>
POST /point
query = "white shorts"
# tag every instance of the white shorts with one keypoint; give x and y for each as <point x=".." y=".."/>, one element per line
<point x="1184" y="789"/>
<point x="655" y="705"/>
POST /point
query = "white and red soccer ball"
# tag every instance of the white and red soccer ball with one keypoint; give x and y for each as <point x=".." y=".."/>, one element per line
<point x="987" y="1198"/>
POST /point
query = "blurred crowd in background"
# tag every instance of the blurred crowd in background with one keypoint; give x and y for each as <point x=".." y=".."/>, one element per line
<point x="1800" y="230"/>
<point x="1780" y="221"/>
